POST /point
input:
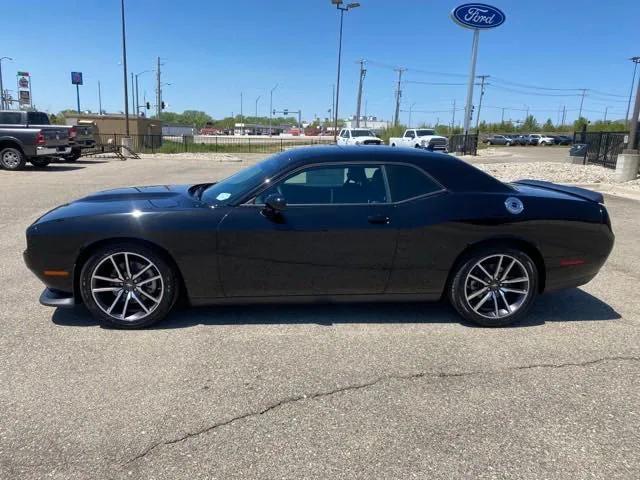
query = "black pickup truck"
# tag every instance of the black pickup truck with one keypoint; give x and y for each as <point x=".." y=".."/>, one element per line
<point x="29" y="137"/>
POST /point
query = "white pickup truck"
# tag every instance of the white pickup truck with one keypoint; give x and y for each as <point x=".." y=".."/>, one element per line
<point x="421" y="138"/>
<point x="358" y="136"/>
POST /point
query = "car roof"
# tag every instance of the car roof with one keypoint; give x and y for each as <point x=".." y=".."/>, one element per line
<point x="455" y="174"/>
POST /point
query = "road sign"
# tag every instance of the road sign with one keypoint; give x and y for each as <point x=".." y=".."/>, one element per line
<point x="477" y="16"/>
<point x="76" y="78"/>
<point x="23" y="74"/>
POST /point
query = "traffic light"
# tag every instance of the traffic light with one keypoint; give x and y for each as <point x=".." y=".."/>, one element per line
<point x="162" y="104"/>
<point x="286" y="112"/>
<point x="148" y="106"/>
<point x="471" y="113"/>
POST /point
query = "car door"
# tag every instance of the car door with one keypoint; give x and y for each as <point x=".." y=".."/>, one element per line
<point x="336" y="236"/>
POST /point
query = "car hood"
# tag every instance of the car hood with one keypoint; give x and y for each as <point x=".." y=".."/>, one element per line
<point x="126" y="200"/>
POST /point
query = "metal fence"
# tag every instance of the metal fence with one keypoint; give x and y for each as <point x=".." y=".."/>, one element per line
<point x="603" y="148"/>
<point x="464" y="144"/>
<point x="207" y="143"/>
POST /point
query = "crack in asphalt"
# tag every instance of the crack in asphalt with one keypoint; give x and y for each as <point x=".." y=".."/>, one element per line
<point x="348" y="388"/>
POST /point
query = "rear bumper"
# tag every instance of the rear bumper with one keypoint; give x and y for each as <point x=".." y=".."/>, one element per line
<point x="48" y="151"/>
<point x="56" y="298"/>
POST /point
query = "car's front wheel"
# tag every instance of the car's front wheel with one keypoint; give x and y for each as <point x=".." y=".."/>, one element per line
<point x="128" y="286"/>
<point x="494" y="287"/>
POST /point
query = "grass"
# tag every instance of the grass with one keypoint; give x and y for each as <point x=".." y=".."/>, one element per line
<point x="240" y="147"/>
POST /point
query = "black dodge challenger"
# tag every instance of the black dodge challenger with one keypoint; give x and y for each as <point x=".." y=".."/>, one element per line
<point x="323" y="224"/>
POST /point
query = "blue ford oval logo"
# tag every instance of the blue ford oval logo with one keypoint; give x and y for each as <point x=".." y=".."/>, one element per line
<point x="478" y="15"/>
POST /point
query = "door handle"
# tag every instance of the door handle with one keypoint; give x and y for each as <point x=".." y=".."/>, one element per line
<point x="379" y="219"/>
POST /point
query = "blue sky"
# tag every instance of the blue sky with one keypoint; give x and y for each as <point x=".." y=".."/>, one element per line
<point x="214" y="50"/>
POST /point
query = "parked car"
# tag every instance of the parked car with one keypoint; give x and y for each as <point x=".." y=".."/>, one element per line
<point x="81" y="137"/>
<point x="421" y="138"/>
<point x="562" y="140"/>
<point x="358" y="136"/>
<point x="498" y="140"/>
<point x="28" y="137"/>
<point x="521" y="140"/>
<point x="326" y="224"/>
<point x="540" y="139"/>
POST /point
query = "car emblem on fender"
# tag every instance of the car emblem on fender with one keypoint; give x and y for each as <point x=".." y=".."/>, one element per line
<point x="514" y="205"/>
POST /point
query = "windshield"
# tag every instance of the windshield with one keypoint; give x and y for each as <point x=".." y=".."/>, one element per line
<point x="362" y="133"/>
<point x="423" y="132"/>
<point x="37" y="118"/>
<point x="234" y="187"/>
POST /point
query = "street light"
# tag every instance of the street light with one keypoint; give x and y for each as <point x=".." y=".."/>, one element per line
<point x="137" y="100"/>
<point x="124" y="70"/>
<point x="410" y="110"/>
<point x="2" y="106"/>
<point x="339" y="6"/>
<point x="271" y="106"/>
<point x="259" y="96"/>
<point x="635" y="60"/>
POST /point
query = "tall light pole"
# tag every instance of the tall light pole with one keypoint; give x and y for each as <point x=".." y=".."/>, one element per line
<point x="99" y="99"/>
<point x="259" y="96"/>
<point x="410" y="111"/>
<point x="137" y="99"/>
<point x="124" y="71"/>
<point x="635" y="61"/>
<point x="339" y="6"/>
<point x="2" y="105"/>
<point x="271" y="106"/>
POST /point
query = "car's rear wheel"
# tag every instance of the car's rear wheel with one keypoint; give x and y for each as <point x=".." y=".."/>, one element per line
<point x="494" y="287"/>
<point x="12" y="159"/>
<point x="128" y="286"/>
<point x="40" y="162"/>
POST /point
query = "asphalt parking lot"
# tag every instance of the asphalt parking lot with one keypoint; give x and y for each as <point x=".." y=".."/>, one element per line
<point x="349" y="391"/>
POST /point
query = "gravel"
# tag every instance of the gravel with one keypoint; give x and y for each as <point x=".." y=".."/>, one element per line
<point x="553" y="172"/>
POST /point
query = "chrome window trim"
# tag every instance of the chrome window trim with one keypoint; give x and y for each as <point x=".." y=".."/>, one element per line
<point x="383" y="164"/>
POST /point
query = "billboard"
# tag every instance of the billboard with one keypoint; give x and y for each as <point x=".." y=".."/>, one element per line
<point x="24" y="89"/>
<point x="76" y="78"/>
<point x="24" y="98"/>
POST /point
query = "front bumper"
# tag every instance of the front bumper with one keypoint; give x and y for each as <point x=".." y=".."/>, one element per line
<point x="56" y="298"/>
<point x="49" y="151"/>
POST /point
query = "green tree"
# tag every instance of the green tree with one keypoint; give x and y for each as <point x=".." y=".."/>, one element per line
<point x="548" y="126"/>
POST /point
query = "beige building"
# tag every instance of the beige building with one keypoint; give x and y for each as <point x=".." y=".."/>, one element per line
<point x="115" y="124"/>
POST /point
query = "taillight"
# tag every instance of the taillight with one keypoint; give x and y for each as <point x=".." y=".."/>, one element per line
<point x="40" y="139"/>
<point x="73" y="132"/>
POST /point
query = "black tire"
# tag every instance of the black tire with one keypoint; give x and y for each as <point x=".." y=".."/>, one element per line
<point x="40" y="162"/>
<point x="167" y="295"/>
<point x="458" y="287"/>
<point x="75" y="155"/>
<point x="12" y="159"/>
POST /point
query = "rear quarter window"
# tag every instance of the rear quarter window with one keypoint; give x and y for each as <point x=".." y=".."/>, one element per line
<point x="10" y="118"/>
<point x="407" y="182"/>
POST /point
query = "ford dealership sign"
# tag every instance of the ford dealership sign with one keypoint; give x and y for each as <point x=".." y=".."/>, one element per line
<point x="478" y="16"/>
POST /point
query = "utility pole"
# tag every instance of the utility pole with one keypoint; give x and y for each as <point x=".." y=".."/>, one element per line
<point x="527" y="112"/>
<point x="99" y="99"/>
<point x="584" y="91"/>
<point x="333" y="100"/>
<point x="564" y="114"/>
<point x="241" y="114"/>
<point x="124" y="71"/>
<point x="400" y="71"/>
<point x="259" y="96"/>
<point x="502" y="117"/>
<point x="363" y="73"/>
<point x="635" y="60"/>
<point x="453" y="116"/>
<point x="2" y="92"/>
<point x="606" y="109"/>
<point x="482" y="79"/>
<point x="158" y="91"/>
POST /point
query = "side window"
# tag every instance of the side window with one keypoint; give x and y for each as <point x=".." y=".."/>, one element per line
<point x="408" y="182"/>
<point x="10" y="118"/>
<point x="331" y="184"/>
<point x="409" y="134"/>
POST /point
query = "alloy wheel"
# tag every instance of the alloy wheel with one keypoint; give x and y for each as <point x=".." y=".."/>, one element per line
<point x="127" y="286"/>
<point x="497" y="286"/>
<point x="11" y="159"/>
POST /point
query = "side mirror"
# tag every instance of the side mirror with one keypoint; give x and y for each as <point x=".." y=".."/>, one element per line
<point x="275" y="203"/>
